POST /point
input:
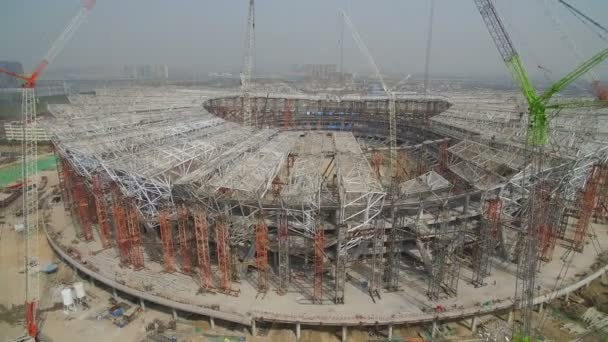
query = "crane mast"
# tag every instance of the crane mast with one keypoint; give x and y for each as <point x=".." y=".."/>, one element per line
<point x="392" y="101"/>
<point x="248" y="61"/>
<point x="537" y="137"/>
<point x="29" y="166"/>
<point x="29" y="150"/>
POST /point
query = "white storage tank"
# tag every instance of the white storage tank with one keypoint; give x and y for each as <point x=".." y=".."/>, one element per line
<point x="66" y="296"/>
<point x="79" y="290"/>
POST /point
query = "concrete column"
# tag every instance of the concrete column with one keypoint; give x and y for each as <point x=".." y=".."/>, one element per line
<point x="298" y="331"/>
<point x="114" y="293"/>
<point x="254" y="330"/>
<point x="174" y="314"/>
<point x="541" y="307"/>
<point x="344" y="333"/>
<point x="465" y="206"/>
<point x="390" y="332"/>
<point x="142" y="303"/>
<point x="567" y="296"/>
<point x="474" y="324"/>
<point x="212" y="323"/>
<point x="510" y="318"/>
<point x="434" y="329"/>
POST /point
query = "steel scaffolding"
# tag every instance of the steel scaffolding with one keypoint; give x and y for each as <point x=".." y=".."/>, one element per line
<point x="80" y="197"/>
<point x="587" y="204"/>
<point x="340" y="266"/>
<point x="102" y="215"/>
<point x="170" y="145"/>
<point x="447" y="257"/>
<point x="319" y="258"/>
<point x="136" y="249"/>
<point x="223" y="253"/>
<point x="201" y="230"/>
<point x="377" y="264"/>
<point x="393" y="253"/>
<point x="261" y="253"/>
<point x="166" y="235"/>
<point x="489" y="230"/>
<point x="283" y="243"/>
<point x="120" y="227"/>
<point x="184" y="249"/>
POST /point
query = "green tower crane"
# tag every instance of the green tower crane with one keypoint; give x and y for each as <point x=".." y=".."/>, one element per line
<point x="537" y="138"/>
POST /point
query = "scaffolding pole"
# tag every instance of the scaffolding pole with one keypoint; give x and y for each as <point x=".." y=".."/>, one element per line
<point x="401" y="167"/>
<point x="63" y="182"/>
<point x="377" y="259"/>
<point x="341" y="257"/>
<point x="69" y="184"/>
<point x="283" y="239"/>
<point x="587" y="203"/>
<point x="562" y="225"/>
<point x="319" y="256"/>
<point x="443" y="157"/>
<point x="201" y="230"/>
<point x="489" y="231"/>
<point x="438" y="270"/>
<point x="601" y="211"/>
<point x="102" y="214"/>
<point x="137" y="252"/>
<point x="261" y="253"/>
<point x="454" y="262"/>
<point x="80" y="196"/>
<point x="393" y="254"/>
<point x="120" y="227"/>
<point x="223" y="253"/>
<point x="184" y="250"/>
<point x="287" y="114"/>
<point x="167" y="240"/>
<point x="376" y="163"/>
<point x="421" y="167"/>
<point x="446" y="261"/>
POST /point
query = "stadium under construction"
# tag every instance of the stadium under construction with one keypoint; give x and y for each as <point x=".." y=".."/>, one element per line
<point x="275" y="203"/>
<point x="297" y="219"/>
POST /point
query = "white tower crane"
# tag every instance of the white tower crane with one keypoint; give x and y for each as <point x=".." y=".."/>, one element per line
<point x="391" y="95"/>
<point x="248" y="61"/>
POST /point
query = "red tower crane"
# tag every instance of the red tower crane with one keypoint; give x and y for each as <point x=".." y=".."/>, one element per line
<point x="30" y="168"/>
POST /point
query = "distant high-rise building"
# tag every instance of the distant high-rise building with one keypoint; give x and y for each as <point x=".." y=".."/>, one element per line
<point x="146" y="72"/>
<point x="7" y="81"/>
<point x="322" y="71"/>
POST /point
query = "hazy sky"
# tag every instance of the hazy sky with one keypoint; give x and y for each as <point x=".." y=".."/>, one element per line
<point x="209" y="34"/>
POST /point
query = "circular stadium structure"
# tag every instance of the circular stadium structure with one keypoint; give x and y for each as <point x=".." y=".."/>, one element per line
<point x="307" y="216"/>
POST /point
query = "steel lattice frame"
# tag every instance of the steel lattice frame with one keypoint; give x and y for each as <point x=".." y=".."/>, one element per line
<point x="162" y="145"/>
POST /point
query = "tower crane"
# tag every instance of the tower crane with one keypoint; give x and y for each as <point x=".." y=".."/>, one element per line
<point x="537" y="137"/>
<point x="248" y="60"/>
<point x="601" y="92"/>
<point x="29" y="148"/>
<point x="586" y="19"/>
<point x="391" y="94"/>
